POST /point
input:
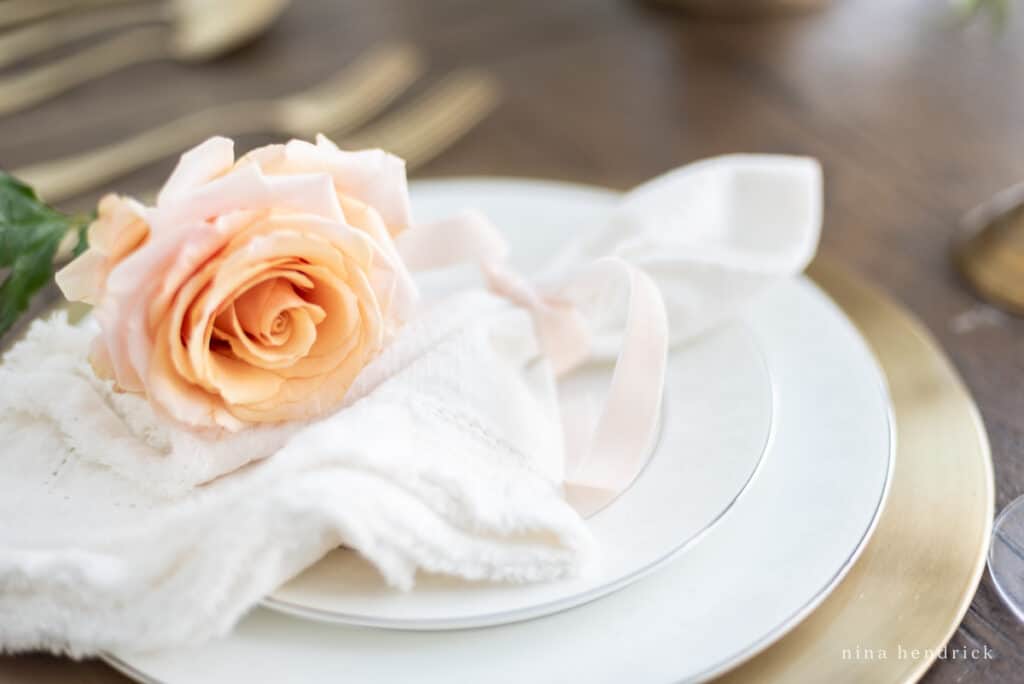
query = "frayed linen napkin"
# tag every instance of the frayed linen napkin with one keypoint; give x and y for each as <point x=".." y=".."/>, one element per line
<point x="123" y="531"/>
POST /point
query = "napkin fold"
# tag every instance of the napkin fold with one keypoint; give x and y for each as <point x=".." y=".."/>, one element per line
<point x="433" y="465"/>
<point x="122" y="531"/>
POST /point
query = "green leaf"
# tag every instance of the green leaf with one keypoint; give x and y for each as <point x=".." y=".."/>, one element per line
<point x="83" y="232"/>
<point x="25" y="222"/>
<point x="30" y="232"/>
<point x="998" y="10"/>
<point x="30" y="272"/>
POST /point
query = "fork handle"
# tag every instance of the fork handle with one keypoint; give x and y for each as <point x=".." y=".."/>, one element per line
<point x="69" y="176"/>
<point x="39" y="84"/>
<point x="22" y="11"/>
<point x="19" y="43"/>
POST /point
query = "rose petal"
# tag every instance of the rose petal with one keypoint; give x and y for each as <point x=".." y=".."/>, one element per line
<point x="120" y="227"/>
<point x="261" y="304"/>
<point x="372" y="177"/>
<point x="247" y="188"/>
<point x="202" y="163"/>
<point x="182" y="400"/>
<point x="239" y="382"/>
<point x="301" y="336"/>
<point x="396" y="290"/>
<point x="262" y="349"/>
<point x="82" y="279"/>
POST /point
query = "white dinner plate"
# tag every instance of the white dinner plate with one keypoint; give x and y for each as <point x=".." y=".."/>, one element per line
<point x="715" y="428"/>
<point x="770" y="560"/>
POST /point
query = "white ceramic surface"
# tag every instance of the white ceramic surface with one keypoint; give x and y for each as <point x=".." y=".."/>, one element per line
<point x="769" y="561"/>
<point x="715" y="427"/>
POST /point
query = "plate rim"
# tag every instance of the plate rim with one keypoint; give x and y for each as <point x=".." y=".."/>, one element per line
<point x="880" y="315"/>
<point x="883" y="387"/>
<point x="815" y="601"/>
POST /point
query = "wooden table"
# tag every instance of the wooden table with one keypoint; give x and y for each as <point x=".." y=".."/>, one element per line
<point x="914" y="119"/>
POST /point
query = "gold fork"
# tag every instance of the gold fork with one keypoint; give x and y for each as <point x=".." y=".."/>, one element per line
<point x="435" y="121"/>
<point x="425" y="128"/>
<point x="339" y="104"/>
<point x="417" y="132"/>
<point x="23" y="11"/>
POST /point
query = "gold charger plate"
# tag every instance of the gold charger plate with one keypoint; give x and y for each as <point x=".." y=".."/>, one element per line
<point x="911" y="586"/>
<point x="904" y="598"/>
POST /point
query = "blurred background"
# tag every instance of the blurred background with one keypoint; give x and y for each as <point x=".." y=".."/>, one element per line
<point x="895" y="97"/>
<point x="915" y="112"/>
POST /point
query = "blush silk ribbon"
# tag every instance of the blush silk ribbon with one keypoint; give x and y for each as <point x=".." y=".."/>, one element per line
<point x="693" y="247"/>
<point x="616" y="447"/>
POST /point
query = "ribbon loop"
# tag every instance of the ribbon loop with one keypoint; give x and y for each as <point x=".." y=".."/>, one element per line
<point x="692" y="246"/>
<point x="616" y="449"/>
<point x="627" y="424"/>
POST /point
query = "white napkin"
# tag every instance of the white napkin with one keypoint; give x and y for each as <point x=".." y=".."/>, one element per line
<point x="106" y="541"/>
<point x="121" y="531"/>
<point x="712" y="235"/>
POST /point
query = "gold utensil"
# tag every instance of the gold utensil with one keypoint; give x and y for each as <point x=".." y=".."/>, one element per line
<point x="989" y="250"/>
<point x="338" y="104"/>
<point x="14" y="12"/>
<point x="202" y="29"/>
<point x="417" y="132"/>
<point x="431" y="124"/>
<point x="423" y="129"/>
<point x="19" y="43"/>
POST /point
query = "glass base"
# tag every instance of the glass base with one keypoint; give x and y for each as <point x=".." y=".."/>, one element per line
<point x="1006" y="556"/>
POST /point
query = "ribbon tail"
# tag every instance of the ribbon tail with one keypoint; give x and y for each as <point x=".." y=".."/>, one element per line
<point x="614" y="451"/>
<point x="627" y="426"/>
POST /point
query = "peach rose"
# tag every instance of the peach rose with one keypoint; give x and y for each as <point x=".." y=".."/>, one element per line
<point x="254" y="291"/>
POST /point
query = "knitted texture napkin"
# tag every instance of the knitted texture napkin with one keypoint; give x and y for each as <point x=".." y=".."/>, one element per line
<point x="121" y="531"/>
<point x="433" y="464"/>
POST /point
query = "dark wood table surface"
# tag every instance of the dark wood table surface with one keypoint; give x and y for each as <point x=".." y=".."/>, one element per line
<point x="914" y="118"/>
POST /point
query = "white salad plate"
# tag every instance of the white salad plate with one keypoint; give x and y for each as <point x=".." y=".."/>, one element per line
<point x="715" y="428"/>
<point x="771" y="558"/>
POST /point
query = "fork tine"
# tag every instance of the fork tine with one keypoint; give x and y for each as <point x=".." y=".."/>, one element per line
<point x="22" y="11"/>
<point x="354" y="96"/>
<point x="422" y="130"/>
<point x="437" y="119"/>
<point x="22" y="42"/>
<point x="371" y="83"/>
